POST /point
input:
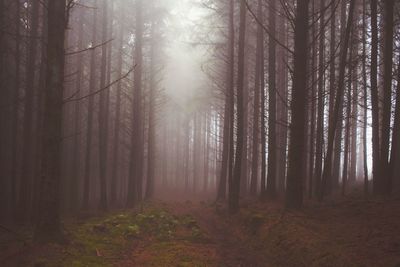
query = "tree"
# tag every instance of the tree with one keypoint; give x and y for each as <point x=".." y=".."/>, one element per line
<point x="395" y="152"/>
<point x="48" y="226"/>
<point x="89" y="130"/>
<point x="74" y="188"/>
<point x="375" y="97"/>
<point x="294" y="190"/>
<point x="103" y="112"/>
<point x="234" y="189"/>
<point x="332" y="130"/>
<point x="332" y="89"/>
<point x="135" y="165"/>
<point x="27" y="153"/>
<point x="272" y="147"/>
<point x="321" y="100"/>
<point x="115" y="181"/>
<point x="257" y="97"/>
<point x="151" y="133"/>
<point x="384" y="186"/>
<point x="365" y="115"/>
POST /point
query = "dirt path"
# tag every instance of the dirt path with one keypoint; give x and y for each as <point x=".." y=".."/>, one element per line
<point x="232" y="249"/>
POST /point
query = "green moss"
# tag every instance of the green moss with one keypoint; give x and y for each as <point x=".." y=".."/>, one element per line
<point x="103" y="240"/>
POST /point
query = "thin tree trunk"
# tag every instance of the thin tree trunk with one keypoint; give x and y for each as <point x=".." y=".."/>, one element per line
<point x="321" y="101"/>
<point x="196" y="150"/>
<point x="311" y="117"/>
<point x="231" y="89"/>
<point x="256" y="114"/>
<point x="338" y="102"/>
<point x="235" y="184"/>
<point x="388" y="7"/>
<point x="74" y="190"/>
<point x="332" y="91"/>
<point x="186" y="153"/>
<point x="151" y="132"/>
<point x="103" y="112"/>
<point x="135" y="165"/>
<point x="395" y="152"/>
<point x="272" y="147"/>
<point x="117" y="128"/>
<point x="374" y="97"/>
<point x="15" y="121"/>
<point x="347" y="140"/>
<point x="26" y="183"/>
<point x="206" y="153"/>
<point x="355" y="101"/>
<point x="90" y="110"/>
<point x="365" y="121"/>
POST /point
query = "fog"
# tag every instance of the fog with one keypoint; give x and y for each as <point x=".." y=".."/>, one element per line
<point x="185" y="81"/>
<point x="199" y="133"/>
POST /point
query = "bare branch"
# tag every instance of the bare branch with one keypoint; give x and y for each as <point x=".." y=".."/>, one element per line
<point x="72" y="99"/>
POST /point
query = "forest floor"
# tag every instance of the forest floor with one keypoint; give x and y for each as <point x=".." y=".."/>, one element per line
<point x="348" y="232"/>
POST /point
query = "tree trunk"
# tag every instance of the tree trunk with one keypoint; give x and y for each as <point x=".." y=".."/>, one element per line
<point x="374" y="97"/>
<point x="151" y="132"/>
<point x="26" y="183"/>
<point x="365" y="108"/>
<point x="385" y="186"/>
<point x="235" y="184"/>
<point x="15" y="110"/>
<point x="294" y="191"/>
<point x="117" y="128"/>
<point x="48" y="226"/>
<point x="136" y="160"/>
<point x="196" y="150"/>
<point x="347" y="140"/>
<point x="90" y="110"/>
<point x="321" y="100"/>
<point x="332" y="129"/>
<point x="332" y="89"/>
<point x="103" y="113"/>
<point x="74" y="185"/>
<point x="231" y="96"/>
<point x="256" y="114"/>
<point x="272" y="147"/>
<point x="395" y="153"/>
<point x="282" y="104"/>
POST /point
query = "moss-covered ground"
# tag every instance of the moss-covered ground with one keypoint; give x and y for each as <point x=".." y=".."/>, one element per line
<point x="348" y="232"/>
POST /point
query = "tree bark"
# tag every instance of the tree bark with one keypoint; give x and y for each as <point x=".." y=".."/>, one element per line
<point x="235" y="184"/>
<point x="332" y="129"/>
<point x="151" y="132"/>
<point x="90" y="110"/>
<point x="385" y="186"/>
<point x="365" y="108"/>
<point x="321" y="100"/>
<point x="256" y="114"/>
<point x="117" y="128"/>
<point x="48" y="225"/>
<point x="375" y="97"/>
<point x="135" y="165"/>
<point x="103" y="112"/>
<point x="294" y="191"/>
<point x="74" y="185"/>
<point x="272" y="147"/>
<point x="26" y="183"/>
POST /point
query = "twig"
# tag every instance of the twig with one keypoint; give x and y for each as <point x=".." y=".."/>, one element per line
<point x="71" y="99"/>
<point x="266" y="29"/>
<point x="88" y="49"/>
